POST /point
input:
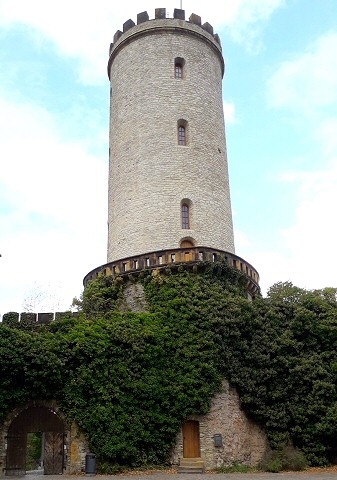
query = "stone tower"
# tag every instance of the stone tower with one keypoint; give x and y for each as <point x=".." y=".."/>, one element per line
<point x="166" y="77"/>
<point x="169" y="197"/>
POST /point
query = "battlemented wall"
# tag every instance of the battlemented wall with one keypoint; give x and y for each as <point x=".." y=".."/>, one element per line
<point x="243" y="442"/>
<point x="150" y="174"/>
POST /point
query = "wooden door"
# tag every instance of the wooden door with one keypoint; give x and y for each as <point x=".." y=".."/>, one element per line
<point x="186" y="244"/>
<point x="191" y="439"/>
<point x="186" y="256"/>
<point x="53" y="453"/>
<point x="16" y="454"/>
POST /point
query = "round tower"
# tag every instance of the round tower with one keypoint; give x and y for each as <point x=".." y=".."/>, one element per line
<point x="168" y="179"/>
<point x="169" y="199"/>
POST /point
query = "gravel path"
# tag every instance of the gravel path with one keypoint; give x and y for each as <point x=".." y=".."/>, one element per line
<point x="308" y="475"/>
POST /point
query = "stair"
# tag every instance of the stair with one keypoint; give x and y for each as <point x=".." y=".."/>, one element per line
<point x="191" y="465"/>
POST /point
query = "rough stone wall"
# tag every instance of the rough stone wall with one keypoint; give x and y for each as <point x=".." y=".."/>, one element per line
<point x="78" y="448"/>
<point x="150" y="174"/>
<point x="133" y="298"/>
<point x="243" y="440"/>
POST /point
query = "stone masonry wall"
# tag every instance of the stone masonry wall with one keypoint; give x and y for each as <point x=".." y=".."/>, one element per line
<point x="243" y="440"/>
<point x="150" y="174"/>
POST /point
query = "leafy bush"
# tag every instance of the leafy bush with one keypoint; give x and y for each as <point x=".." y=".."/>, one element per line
<point x="285" y="459"/>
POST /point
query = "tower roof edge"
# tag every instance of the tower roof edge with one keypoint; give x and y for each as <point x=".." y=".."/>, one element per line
<point x="162" y="22"/>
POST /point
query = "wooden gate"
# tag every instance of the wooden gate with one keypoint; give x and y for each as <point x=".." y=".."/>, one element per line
<point x="53" y="453"/>
<point x="30" y="420"/>
<point x="191" y="439"/>
<point x="16" y="454"/>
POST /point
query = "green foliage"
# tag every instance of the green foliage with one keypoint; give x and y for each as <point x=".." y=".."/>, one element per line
<point x="131" y="379"/>
<point x="27" y="320"/>
<point x="31" y="367"/>
<point x="34" y="450"/>
<point x="235" y="468"/>
<point x="100" y="296"/>
<point x="285" y="459"/>
<point x="11" y="319"/>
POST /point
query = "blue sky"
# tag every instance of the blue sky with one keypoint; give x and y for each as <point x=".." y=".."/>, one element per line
<point x="280" y="102"/>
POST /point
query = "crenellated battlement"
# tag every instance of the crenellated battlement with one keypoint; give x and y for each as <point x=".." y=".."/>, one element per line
<point x="194" y="258"/>
<point x="162" y="14"/>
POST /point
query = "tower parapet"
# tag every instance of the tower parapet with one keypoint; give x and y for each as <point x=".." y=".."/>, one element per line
<point x="161" y="14"/>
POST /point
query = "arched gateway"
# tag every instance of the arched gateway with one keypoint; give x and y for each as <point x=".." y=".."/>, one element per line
<point x="35" y="419"/>
<point x="64" y="447"/>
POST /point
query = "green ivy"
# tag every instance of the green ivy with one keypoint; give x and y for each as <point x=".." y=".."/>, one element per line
<point x="130" y="379"/>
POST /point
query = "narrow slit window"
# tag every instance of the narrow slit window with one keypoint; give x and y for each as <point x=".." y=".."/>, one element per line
<point x="178" y="70"/>
<point x="185" y="216"/>
<point x="181" y="135"/>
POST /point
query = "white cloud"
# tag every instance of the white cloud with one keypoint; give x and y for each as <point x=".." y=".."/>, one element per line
<point x="53" y="207"/>
<point x="306" y="250"/>
<point x="306" y="87"/>
<point x="229" y="112"/>
<point x="83" y="29"/>
<point x="307" y="81"/>
<point x="244" y="18"/>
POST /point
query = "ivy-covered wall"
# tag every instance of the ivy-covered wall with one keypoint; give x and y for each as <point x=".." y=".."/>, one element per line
<point x="130" y="379"/>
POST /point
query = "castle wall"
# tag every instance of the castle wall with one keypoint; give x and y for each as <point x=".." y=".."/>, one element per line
<point x="150" y="174"/>
<point x="243" y="441"/>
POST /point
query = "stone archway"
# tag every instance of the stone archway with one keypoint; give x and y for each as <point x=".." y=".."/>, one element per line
<point x="31" y="420"/>
<point x="64" y="446"/>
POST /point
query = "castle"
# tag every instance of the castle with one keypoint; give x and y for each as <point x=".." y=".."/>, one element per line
<point x="169" y="204"/>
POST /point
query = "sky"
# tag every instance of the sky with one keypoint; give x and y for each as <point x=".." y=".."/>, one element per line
<point x="280" y="104"/>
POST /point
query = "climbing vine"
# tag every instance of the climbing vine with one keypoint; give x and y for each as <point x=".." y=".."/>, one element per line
<point x="130" y="379"/>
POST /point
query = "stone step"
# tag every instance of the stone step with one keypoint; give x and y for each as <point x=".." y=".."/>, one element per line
<point x="190" y="470"/>
<point x="191" y="465"/>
